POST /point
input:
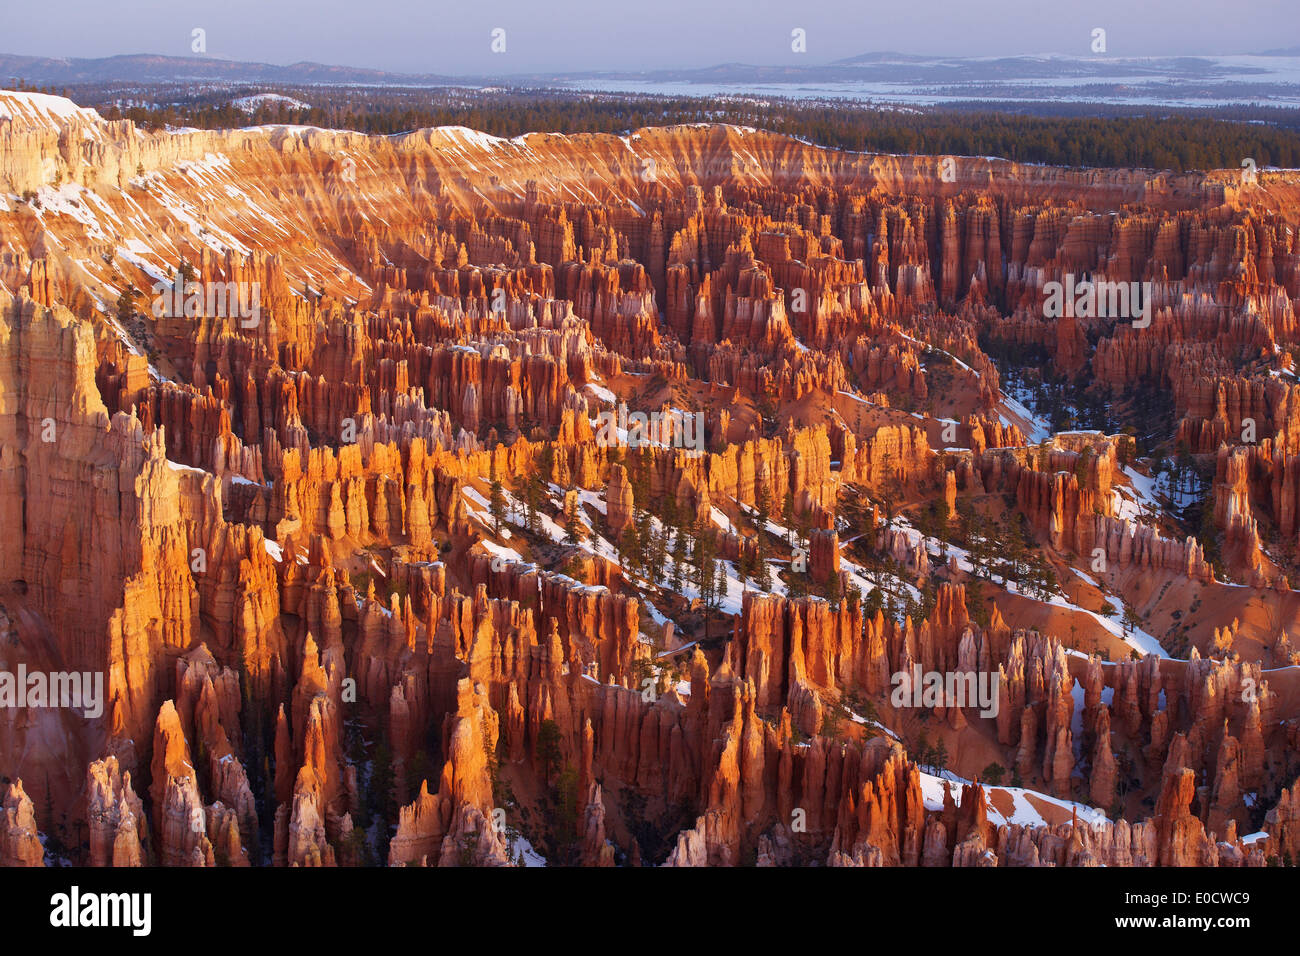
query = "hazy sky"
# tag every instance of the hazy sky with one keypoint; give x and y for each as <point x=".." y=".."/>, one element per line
<point x="439" y="37"/>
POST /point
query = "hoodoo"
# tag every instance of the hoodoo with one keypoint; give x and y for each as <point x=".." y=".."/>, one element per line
<point x="371" y="580"/>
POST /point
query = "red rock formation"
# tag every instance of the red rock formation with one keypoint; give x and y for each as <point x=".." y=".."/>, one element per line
<point x="20" y="843"/>
<point x="118" y="831"/>
<point x="277" y="531"/>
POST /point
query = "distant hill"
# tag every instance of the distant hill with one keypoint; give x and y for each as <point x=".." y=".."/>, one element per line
<point x="153" y="68"/>
<point x="1269" y="79"/>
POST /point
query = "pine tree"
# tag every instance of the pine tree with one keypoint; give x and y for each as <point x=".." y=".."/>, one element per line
<point x="496" y="497"/>
<point x="547" y="469"/>
<point x="745" y="563"/>
<point x="126" y="305"/>
<point x="803" y="528"/>
<point x="517" y="505"/>
<point x="549" y="753"/>
<point x="719" y="583"/>
<point x="533" y="495"/>
<point x="994" y="773"/>
<point x="707" y="571"/>
<point x="629" y="548"/>
<point x="382" y="799"/>
<point x="574" y="532"/>
<point x="873" y="603"/>
<point x="639" y="465"/>
<point x="657" y="554"/>
<point x="831" y="588"/>
<point x="787" y="514"/>
<point x="939" y="756"/>
<point x="680" y="560"/>
<point x="644" y="540"/>
<point x="668" y="511"/>
<point x="762" y="506"/>
<point x="764" y="577"/>
<point x="796" y="583"/>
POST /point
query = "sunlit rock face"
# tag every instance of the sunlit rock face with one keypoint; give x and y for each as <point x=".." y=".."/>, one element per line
<point x="441" y="499"/>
